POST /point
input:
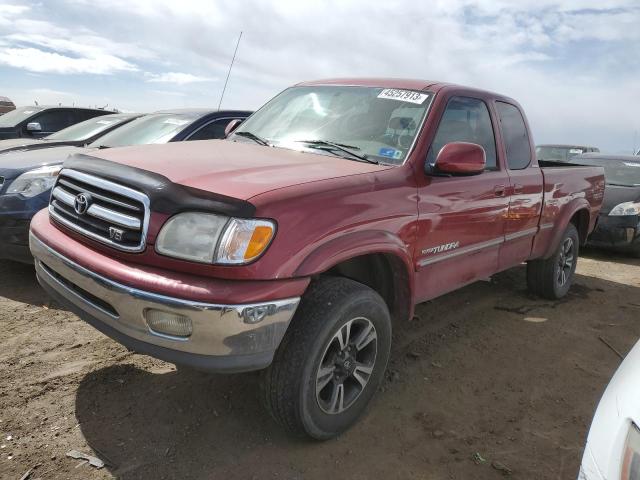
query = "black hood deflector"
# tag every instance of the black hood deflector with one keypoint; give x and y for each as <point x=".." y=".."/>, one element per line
<point x="165" y="196"/>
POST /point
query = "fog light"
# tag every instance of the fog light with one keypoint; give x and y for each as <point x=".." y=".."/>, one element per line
<point x="168" y="323"/>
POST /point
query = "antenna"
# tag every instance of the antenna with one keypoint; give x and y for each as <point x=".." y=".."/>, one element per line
<point x="229" y="72"/>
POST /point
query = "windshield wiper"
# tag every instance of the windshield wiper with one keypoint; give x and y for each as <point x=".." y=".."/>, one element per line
<point x="349" y="149"/>
<point x="254" y="137"/>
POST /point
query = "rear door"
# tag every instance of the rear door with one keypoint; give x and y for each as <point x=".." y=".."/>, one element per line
<point x="461" y="218"/>
<point x="526" y="185"/>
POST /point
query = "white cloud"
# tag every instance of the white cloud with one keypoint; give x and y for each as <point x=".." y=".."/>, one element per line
<point x="36" y="60"/>
<point x="177" y="78"/>
<point x="571" y="63"/>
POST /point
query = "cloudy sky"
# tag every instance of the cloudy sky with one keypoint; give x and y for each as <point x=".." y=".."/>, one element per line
<point x="573" y="64"/>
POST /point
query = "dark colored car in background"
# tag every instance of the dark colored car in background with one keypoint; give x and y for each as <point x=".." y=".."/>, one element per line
<point x="6" y="105"/>
<point x="40" y="121"/>
<point x="80" y="134"/>
<point x="619" y="222"/>
<point x="26" y="177"/>
<point x="562" y="153"/>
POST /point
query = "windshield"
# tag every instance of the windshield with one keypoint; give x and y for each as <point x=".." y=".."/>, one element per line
<point x="153" y="128"/>
<point x="376" y="123"/>
<point x="16" y="116"/>
<point x="616" y="172"/>
<point x="558" y="154"/>
<point x="87" y="129"/>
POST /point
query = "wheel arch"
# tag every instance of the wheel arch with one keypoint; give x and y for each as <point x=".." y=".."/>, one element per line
<point x="577" y="213"/>
<point x="376" y="259"/>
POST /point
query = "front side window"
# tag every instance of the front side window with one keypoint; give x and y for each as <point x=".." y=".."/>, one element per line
<point x="211" y="131"/>
<point x="153" y="128"/>
<point x="465" y="120"/>
<point x="54" y="120"/>
<point x="516" y="137"/>
<point x="378" y="124"/>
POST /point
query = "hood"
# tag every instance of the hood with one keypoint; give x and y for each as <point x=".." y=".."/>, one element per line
<point x="615" y="195"/>
<point x="14" y="163"/>
<point x="34" y="144"/>
<point x="17" y="143"/>
<point x="235" y="169"/>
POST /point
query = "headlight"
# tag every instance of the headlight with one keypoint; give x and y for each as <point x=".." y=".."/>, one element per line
<point x="626" y="208"/>
<point x="35" y="182"/>
<point x="631" y="459"/>
<point x="209" y="238"/>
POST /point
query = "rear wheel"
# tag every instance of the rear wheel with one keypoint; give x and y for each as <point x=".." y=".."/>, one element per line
<point x="552" y="277"/>
<point x="331" y="361"/>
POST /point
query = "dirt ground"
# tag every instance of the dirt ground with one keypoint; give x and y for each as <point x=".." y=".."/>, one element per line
<point x="483" y="381"/>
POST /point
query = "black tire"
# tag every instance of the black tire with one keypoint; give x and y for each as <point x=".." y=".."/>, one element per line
<point x="290" y="385"/>
<point x="545" y="277"/>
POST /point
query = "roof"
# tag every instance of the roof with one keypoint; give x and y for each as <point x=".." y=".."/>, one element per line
<point x="404" y="83"/>
<point x="201" y="112"/>
<point x="5" y="99"/>
<point x="411" y="84"/>
<point x="599" y="156"/>
<point x="560" y="145"/>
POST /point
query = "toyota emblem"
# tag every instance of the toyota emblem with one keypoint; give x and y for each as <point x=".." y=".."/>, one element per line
<point x="82" y="203"/>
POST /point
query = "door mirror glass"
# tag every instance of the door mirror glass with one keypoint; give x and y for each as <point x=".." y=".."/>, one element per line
<point x="231" y="126"/>
<point x="461" y="158"/>
<point x="34" y="127"/>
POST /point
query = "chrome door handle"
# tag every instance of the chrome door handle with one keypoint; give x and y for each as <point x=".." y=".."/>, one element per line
<point x="499" y="190"/>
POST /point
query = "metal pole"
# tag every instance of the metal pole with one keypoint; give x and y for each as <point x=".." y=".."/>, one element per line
<point x="229" y="72"/>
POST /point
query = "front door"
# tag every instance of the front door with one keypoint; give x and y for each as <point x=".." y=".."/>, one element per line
<point x="461" y="218"/>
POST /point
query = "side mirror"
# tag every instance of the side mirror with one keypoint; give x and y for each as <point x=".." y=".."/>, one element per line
<point x="461" y="158"/>
<point x="231" y="126"/>
<point x="34" y="127"/>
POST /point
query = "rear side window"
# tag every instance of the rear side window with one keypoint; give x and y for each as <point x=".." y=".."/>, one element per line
<point x="211" y="131"/>
<point x="516" y="137"/>
<point x="465" y="120"/>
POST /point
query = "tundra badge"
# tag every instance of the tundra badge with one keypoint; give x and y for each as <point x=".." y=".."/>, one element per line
<point x="441" y="248"/>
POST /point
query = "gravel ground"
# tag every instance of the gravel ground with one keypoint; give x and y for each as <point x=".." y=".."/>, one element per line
<point x="484" y="381"/>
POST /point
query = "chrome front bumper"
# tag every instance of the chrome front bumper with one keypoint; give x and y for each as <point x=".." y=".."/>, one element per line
<point x="224" y="338"/>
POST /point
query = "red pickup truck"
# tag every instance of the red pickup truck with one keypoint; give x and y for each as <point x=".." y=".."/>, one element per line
<point x="294" y="245"/>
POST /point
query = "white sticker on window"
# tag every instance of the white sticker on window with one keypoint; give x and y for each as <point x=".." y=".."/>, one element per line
<point x="403" y="95"/>
<point x="577" y="151"/>
<point x="631" y="164"/>
<point x="176" y="121"/>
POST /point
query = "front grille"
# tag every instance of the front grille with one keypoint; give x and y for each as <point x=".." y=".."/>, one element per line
<point x="100" y="209"/>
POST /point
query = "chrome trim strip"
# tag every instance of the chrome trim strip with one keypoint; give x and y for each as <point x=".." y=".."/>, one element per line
<point x="546" y="226"/>
<point x="217" y="329"/>
<point x="524" y="233"/>
<point x="116" y="188"/>
<point x="64" y="196"/>
<point x="469" y="249"/>
<point x="114" y="217"/>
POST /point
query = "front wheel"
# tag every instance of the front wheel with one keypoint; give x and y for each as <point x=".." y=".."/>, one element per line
<point x="331" y="361"/>
<point x="552" y="277"/>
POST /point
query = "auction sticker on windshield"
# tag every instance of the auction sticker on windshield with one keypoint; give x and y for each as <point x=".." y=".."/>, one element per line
<point x="403" y="95"/>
